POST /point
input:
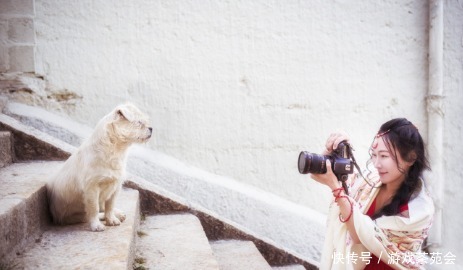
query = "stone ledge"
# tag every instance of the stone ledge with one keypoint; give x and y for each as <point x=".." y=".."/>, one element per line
<point x="238" y="254"/>
<point x="31" y="144"/>
<point x="289" y="267"/>
<point x="23" y="204"/>
<point x="171" y="242"/>
<point x="6" y="149"/>
<point x="155" y="200"/>
<point x="76" y="247"/>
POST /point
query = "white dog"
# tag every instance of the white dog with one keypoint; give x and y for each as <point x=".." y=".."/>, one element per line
<point x="91" y="178"/>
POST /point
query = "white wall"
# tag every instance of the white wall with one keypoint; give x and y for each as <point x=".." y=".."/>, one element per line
<point x="240" y="87"/>
<point x="453" y="129"/>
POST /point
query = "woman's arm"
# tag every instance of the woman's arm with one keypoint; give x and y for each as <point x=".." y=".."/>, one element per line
<point x="344" y="202"/>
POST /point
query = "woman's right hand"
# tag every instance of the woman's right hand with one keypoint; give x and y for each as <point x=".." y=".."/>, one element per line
<point x="333" y="141"/>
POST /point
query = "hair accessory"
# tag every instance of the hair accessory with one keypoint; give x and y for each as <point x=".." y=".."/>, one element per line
<point x="382" y="133"/>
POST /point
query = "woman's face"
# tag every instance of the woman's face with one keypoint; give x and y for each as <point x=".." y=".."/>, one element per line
<point x="386" y="164"/>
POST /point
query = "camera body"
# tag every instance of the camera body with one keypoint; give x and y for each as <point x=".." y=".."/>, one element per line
<point x="341" y="162"/>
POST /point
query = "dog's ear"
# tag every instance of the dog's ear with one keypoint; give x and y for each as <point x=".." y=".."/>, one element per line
<point x="123" y="113"/>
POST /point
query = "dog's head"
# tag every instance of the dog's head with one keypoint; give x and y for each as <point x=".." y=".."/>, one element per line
<point x="129" y="125"/>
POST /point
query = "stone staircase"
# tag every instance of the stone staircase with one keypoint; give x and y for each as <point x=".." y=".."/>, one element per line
<point x="162" y="231"/>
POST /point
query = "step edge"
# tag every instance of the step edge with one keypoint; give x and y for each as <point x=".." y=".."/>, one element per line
<point x="27" y="234"/>
<point x="216" y="227"/>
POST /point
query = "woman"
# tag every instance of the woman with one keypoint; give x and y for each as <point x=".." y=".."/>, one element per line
<point x="384" y="220"/>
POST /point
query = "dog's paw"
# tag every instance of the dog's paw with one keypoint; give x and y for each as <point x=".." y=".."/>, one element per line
<point x="97" y="226"/>
<point x="121" y="216"/>
<point x="112" y="221"/>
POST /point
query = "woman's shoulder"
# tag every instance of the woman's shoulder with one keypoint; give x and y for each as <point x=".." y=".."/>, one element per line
<point x="417" y="214"/>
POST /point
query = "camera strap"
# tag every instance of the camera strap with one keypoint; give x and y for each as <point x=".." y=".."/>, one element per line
<point x="351" y="154"/>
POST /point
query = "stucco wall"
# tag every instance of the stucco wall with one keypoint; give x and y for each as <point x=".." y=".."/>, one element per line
<point x="453" y="129"/>
<point x="240" y="87"/>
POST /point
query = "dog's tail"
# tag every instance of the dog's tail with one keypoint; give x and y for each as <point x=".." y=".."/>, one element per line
<point x="52" y="206"/>
<point x="62" y="211"/>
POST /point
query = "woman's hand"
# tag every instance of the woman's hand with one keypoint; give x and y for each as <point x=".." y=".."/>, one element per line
<point x="327" y="178"/>
<point x="331" y="144"/>
<point x="334" y="140"/>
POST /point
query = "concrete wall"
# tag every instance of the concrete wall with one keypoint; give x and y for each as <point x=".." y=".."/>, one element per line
<point x="453" y="129"/>
<point x="238" y="88"/>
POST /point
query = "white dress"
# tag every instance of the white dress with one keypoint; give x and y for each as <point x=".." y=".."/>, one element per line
<point x="396" y="240"/>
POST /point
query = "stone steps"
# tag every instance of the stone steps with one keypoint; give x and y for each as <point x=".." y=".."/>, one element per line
<point x="289" y="267"/>
<point x="6" y="149"/>
<point x="23" y="203"/>
<point x="30" y="241"/>
<point x="176" y="241"/>
<point x="238" y="255"/>
<point x="76" y="247"/>
<point x="164" y="241"/>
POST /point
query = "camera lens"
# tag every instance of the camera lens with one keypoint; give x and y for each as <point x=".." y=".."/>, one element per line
<point x="311" y="163"/>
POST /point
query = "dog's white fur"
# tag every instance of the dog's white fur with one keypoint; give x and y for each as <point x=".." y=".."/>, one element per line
<point x="91" y="178"/>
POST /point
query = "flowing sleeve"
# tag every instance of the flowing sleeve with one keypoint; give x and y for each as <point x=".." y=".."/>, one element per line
<point x="337" y="245"/>
<point x="397" y="240"/>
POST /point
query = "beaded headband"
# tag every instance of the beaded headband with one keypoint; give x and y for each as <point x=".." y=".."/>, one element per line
<point x="375" y="142"/>
<point x="387" y="131"/>
<point x="382" y="133"/>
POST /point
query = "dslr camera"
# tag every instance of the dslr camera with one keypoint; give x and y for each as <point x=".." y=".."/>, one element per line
<point x="341" y="159"/>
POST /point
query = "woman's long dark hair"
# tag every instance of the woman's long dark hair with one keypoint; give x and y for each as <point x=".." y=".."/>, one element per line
<point x="402" y="138"/>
